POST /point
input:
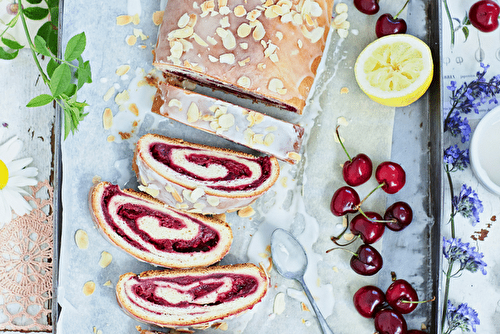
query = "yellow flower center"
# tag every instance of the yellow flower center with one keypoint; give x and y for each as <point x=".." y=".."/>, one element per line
<point x="4" y="175"/>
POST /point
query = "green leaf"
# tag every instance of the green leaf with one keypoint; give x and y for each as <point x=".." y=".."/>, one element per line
<point x="54" y="15"/>
<point x="41" y="46"/>
<point x="36" y="13"/>
<point x="83" y="73"/>
<point x="8" y="55"/>
<point x="70" y="90"/>
<point x="49" y="34"/>
<point x="34" y="2"/>
<point x="61" y="79"/>
<point x="40" y="100"/>
<point x="465" y="30"/>
<point x="75" y="47"/>
<point x="53" y="3"/>
<point x="12" y="44"/>
<point x="51" y="66"/>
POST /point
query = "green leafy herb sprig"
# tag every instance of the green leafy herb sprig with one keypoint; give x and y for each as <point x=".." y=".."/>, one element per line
<point x="64" y="77"/>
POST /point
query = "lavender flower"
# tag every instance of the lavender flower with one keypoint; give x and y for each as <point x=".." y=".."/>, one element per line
<point x="463" y="317"/>
<point x="458" y="126"/>
<point x="455" y="158"/>
<point x="468" y="204"/>
<point x="467" y="256"/>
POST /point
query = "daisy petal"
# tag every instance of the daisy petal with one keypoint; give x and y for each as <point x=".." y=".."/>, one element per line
<point x="17" y="202"/>
<point x="5" y="210"/>
<point x="21" y="181"/>
<point x="10" y="149"/>
<point x="18" y="164"/>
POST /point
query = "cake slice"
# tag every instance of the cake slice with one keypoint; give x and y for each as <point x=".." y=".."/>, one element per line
<point x="152" y="232"/>
<point x="176" y="298"/>
<point x="200" y="178"/>
<point x="267" y="50"/>
<point x="246" y="127"/>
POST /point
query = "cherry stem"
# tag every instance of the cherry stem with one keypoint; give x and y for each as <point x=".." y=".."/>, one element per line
<point x="343" y="245"/>
<point x="369" y="194"/>
<point x="341" y="143"/>
<point x="347" y="250"/>
<point x="406" y="3"/>
<point x="418" y="301"/>
<point x="383" y="221"/>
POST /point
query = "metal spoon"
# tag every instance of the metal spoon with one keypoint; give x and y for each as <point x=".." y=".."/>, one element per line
<point x="290" y="260"/>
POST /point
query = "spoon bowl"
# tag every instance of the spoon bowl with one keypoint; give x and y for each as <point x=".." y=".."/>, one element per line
<point x="290" y="260"/>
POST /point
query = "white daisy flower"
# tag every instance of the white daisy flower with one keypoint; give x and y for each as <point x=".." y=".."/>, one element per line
<point x="14" y="176"/>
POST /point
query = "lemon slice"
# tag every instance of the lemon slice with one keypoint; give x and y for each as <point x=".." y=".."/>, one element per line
<point x="395" y="70"/>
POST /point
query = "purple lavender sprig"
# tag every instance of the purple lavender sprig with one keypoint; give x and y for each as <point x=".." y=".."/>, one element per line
<point x="463" y="317"/>
<point x="467" y="98"/>
<point x="457" y="251"/>
<point x="468" y="204"/>
<point x="456" y="159"/>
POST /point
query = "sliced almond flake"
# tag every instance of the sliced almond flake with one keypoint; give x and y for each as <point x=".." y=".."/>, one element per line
<point x="309" y="20"/>
<point x="258" y="138"/>
<point x="269" y="139"/>
<point x="105" y="259"/>
<point x="207" y="7"/>
<point x="175" y="103"/>
<point x="270" y="13"/>
<point x="226" y="121"/>
<point x="109" y="93"/>
<point x="281" y="91"/>
<point x="96" y="179"/>
<point x="221" y="326"/>
<point x="343" y="33"/>
<point x="150" y="190"/>
<point x="122" y="97"/>
<point x="123" y="20"/>
<point x="131" y="40"/>
<point x="284" y="181"/>
<point x="339" y="19"/>
<point x="207" y="118"/>
<point x="139" y="33"/>
<point x="227" y="58"/>
<point x="224" y="22"/>
<point x="158" y="17"/>
<point x="199" y="206"/>
<point x="248" y="136"/>
<point x="274" y="57"/>
<point x="317" y="33"/>
<point x="271" y="128"/>
<point x="253" y="15"/>
<point x="193" y="113"/>
<point x="244" y="81"/>
<point x="186" y="45"/>
<point x="213" y="59"/>
<point x="82" y="239"/>
<point x="199" y="40"/>
<point x="279" y="303"/>
<point x="224" y="10"/>
<point x="244" y="62"/>
<point x="176" y="49"/>
<point x="247" y="211"/>
<point x="211" y="40"/>
<point x="110" y="138"/>
<point x="185" y="32"/>
<point x="288" y="17"/>
<point x="181" y="206"/>
<point x="108" y="283"/>
<point x="348" y="236"/>
<point x="300" y="43"/>
<point x="268" y="3"/>
<point x="342" y="121"/>
<point x="341" y="7"/>
<point x="221" y="3"/>
<point x="183" y="20"/>
<point x="176" y="195"/>
<point x="244" y="46"/>
<point x="239" y="11"/>
<point x="275" y="84"/>
<point x="136" y="19"/>
<point x="270" y="49"/>
<point x="214" y="13"/>
<point x="214" y="125"/>
<point x="294" y="156"/>
<point x="88" y="288"/>
<point x="122" y="70"/>
<point x="345" y="25"/>
<point x="107" y="119"/>
<point x="261" y="66"/>
<point x="279" y="35"/>
<point x="229" y="41"/>
<point x="297" y="19"/>
<point x="187" y="195"/>
<point x="133" y="108"/>
<point x="244" y="30"/>
<point x="193" y="18"/>
<point x="221" y="32"/>
<point x="263" y="43"/>
<point x="213" y="108"/>
<point x="259" y="31"/>
<point x="197" y="193"/>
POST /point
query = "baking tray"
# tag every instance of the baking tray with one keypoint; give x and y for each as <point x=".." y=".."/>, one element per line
<point x="416" y="144"/>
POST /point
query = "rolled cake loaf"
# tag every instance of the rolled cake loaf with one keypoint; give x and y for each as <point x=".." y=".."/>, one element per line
<point x="200" y="178"/>
<point x="174" y="298"/>
<point x="246" y="127"/>
<point x="153" y="232"/>
<point x="267" y="50"/>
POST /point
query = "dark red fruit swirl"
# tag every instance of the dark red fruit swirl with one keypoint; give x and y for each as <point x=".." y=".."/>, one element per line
<point x="206" y="239"/>
<point x="236" y="170"/>
<point x="241" y="286"/>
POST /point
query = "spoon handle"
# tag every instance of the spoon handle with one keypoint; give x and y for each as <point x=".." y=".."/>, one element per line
<point x="322" y="322"/>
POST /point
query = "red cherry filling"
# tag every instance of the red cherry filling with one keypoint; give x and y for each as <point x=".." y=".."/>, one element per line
<point x="241" y="286"/>
<point x="206" y="239"/>
<point x="235" y="169"/>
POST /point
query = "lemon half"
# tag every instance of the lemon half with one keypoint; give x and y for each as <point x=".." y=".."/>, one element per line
<point x="395" y="70"/>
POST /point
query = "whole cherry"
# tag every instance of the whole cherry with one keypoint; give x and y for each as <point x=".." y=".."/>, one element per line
<point x="357" y="170"/>
<point x="401" y="296"/>
<point x="344" y="200"/>
<point x="483" y="15"/>
<point x="368" y="300"/>
<point x="368" y="7"/>
<point x="399" y="215"/>
<point x="388" y="321"/>
<point x="369" y="231"/>
<point x="389" y="25"/>
<point x="391" y="176"/>
<point x="366" y="261"/>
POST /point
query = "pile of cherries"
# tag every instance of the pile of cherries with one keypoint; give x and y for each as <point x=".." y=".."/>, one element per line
<point x="386" y="24"/>
<point x="369" y="226"/>
<point x="387" y="308"/>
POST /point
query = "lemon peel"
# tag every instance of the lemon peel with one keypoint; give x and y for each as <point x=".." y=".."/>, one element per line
<point x="395" y="70"/>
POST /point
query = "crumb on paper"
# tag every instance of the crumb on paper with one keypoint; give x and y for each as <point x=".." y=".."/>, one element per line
<point x="341" y="120"/>
<point x="96" y="179"/>
<point x="284" y="181"/>
<point x="109" y="93"/>
<point x="304" y="307"/>
<point x="123" y="20"/>
<point x="105" y="259"/>
<point x="108" y="283"/>
<point x="124" y="135"/>
<point x="131" y="40"/>
<point x="344" y="90"/>
<point x="133" y="108"/>
<point x="221" y="325"/>
<point x="82" y="239"/>
<point x="423" y="326"/>
<point x="247" y="211"/>
<point x="139" y="33"/>
<point x="335" y="269"/>
<point x="136" y="19"/>
<point x="107" y="119"/>
<point x="110" y="138"/>
<point x="348" y="236"/>
<point x="88" y="288"/>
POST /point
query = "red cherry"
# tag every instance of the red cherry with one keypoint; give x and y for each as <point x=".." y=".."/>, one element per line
<point x="344" y="200"/>
<point x="368" y="300"/>
<point x="358" y="170"/>
<point x="388" y="25"/>
<point x="484" y="15"/>
<point x="367" y="261"/>
<point x="390" y="322"/>
<point x="391" y="175"/>
<point x="368" y="231"/>
<point x="368" y="7"/>
<point x="401" y="296"/>
<point x="402" y="213"/>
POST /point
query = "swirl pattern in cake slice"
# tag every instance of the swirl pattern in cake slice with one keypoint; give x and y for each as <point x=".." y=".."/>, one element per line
<point x="174" y="298"/>
<point x="153" y="232"/>
<point x="200" y="178"/>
